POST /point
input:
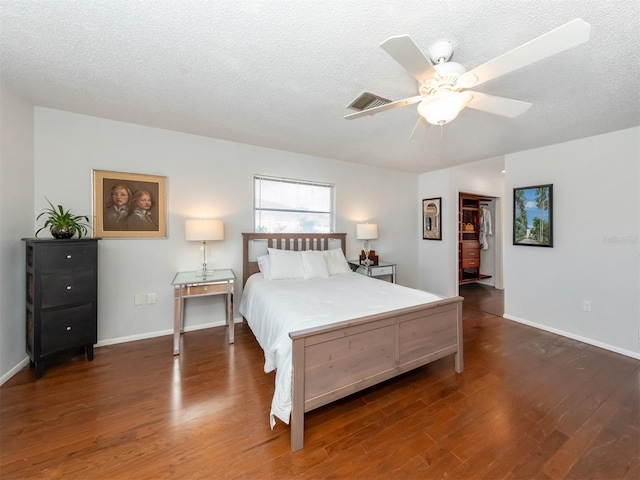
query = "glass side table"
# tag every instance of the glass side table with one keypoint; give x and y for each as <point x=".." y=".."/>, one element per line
<point x="194" y="284"/>
<point x="382" y="269"/>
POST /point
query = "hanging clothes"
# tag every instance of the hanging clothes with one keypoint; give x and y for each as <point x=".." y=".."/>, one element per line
<point x="485" y="227"/>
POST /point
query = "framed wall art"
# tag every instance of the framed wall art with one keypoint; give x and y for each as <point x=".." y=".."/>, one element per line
<point x="129" y="205"/>
<point x="533" y="216"/>
<point x="432" y="218"/>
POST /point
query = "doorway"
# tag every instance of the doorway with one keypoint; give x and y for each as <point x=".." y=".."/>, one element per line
<point x="480" y="240"/>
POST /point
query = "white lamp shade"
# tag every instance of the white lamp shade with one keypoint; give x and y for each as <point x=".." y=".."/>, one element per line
<point x="366" y="231"/>
<point x="202" y="229"/>
<point x="442" y="107"/>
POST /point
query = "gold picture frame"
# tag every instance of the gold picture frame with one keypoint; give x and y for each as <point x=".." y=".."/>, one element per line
<point x="129" y="205"/>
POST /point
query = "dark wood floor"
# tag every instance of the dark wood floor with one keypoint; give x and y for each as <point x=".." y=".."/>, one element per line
<point x="530" y="404"/>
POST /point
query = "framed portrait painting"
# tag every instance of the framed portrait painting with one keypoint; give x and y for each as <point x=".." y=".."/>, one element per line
<point x="533" y="216"/>
<point x="129" y="205"/>
<point x="431" y="218"/>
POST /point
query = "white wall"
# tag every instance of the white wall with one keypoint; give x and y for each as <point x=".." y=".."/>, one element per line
<point x="596" y="251"/>
<point x="436" y="274"/>
<point x="208" y="178"/>
<point x="438" y="261"/>
<point x="16" y="210"/>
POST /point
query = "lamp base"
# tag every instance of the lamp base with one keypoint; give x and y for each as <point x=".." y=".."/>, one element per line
<point x="204" y="273"/>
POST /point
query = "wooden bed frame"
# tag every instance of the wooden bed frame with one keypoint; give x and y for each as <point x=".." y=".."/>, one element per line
<point x="337" y="360"/>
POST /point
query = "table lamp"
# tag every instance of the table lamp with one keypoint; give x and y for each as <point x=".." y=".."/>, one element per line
<point x="366" y="232"/>
<point x="203" y="230"/>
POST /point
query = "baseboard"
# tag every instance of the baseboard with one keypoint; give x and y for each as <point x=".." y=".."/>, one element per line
<point x="161" y="333"/>
<point x="130" y="338"/>
<point x="14" y="370"/>
<point x="595" y="343"/>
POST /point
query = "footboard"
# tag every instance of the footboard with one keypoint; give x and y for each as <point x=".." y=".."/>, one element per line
<point x="332" y="362"/>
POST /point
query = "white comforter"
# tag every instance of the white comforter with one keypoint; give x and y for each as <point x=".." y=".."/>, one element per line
<point x="275" y="308"/>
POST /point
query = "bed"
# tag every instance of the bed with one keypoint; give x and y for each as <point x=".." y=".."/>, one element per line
<point x="362" y="345"/>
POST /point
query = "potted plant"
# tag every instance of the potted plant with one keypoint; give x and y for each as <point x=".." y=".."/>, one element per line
<point x="62" y="224"/>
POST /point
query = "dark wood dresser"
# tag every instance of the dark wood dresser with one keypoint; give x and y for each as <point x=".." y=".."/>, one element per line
<point x="61" y="297"/>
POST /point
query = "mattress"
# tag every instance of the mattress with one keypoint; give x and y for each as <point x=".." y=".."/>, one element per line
<point x="275" y="308"/>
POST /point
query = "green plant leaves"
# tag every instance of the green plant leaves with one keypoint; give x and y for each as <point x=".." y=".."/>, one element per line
<point x="61" y="219"/>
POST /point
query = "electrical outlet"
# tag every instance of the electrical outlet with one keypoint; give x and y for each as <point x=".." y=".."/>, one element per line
<point x="137" y="300"/>
<point x="586" y="305"/>
<point x="151" y="298"/>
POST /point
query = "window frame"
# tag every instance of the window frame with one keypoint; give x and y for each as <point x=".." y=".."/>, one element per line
<point x="268" y="178"/>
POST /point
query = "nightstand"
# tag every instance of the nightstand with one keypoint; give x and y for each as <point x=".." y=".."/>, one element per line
<point x="193" y="284"/>
<point x="380" y="270"/>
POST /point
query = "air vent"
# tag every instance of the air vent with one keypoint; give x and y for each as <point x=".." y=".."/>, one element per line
<point x="367" y="100"/>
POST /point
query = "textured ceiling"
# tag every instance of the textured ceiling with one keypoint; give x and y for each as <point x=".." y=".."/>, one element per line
<point x="280" y="73"/>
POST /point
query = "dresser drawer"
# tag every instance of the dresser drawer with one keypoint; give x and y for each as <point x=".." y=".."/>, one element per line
<point x="73" y="256"/>
<point x="381" y="271"/>
<point x="470" y="246"/>
<point x="471" y="253"/>
<point x="67" y="328"/>
<point x="470" y="263"/>
<point x="194" y="290"/>
<point x="67" y="289"/>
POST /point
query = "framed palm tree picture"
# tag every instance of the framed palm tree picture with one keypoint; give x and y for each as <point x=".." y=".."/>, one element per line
<point x="533" y="216"/>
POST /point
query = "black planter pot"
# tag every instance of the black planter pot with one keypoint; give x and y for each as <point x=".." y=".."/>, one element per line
<point x="61" y="233"/>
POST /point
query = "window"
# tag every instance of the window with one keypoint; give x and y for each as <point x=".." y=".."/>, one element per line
<point x="293" y="206"/>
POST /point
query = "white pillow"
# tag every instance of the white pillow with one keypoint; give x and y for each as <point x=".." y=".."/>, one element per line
<point x="336" y="263"/>
<point x="285" y="264"/>
<point x="315" y="265"/>
<point x="263" y="265"/>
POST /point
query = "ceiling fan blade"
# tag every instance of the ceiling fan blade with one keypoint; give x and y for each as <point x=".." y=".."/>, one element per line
<point x="497" y="105"/>
<point x="562" y="38"/>
<point x="382" y="108"/>
<point x="404" y="51"/>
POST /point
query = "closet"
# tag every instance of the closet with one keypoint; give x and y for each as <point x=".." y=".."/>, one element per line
<point x="469" y="219"/>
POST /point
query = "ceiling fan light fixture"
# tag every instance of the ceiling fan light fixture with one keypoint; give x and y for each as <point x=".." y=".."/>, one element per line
<point x="450" y="69"/>
<point x="467" y="80"/>
<point x="443" y="107"/>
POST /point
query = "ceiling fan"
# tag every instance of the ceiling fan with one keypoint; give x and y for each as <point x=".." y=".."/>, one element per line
<point x="442" y="84"/>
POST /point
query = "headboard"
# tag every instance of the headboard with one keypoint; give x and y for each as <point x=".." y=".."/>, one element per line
<point x="284" y="241"/>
